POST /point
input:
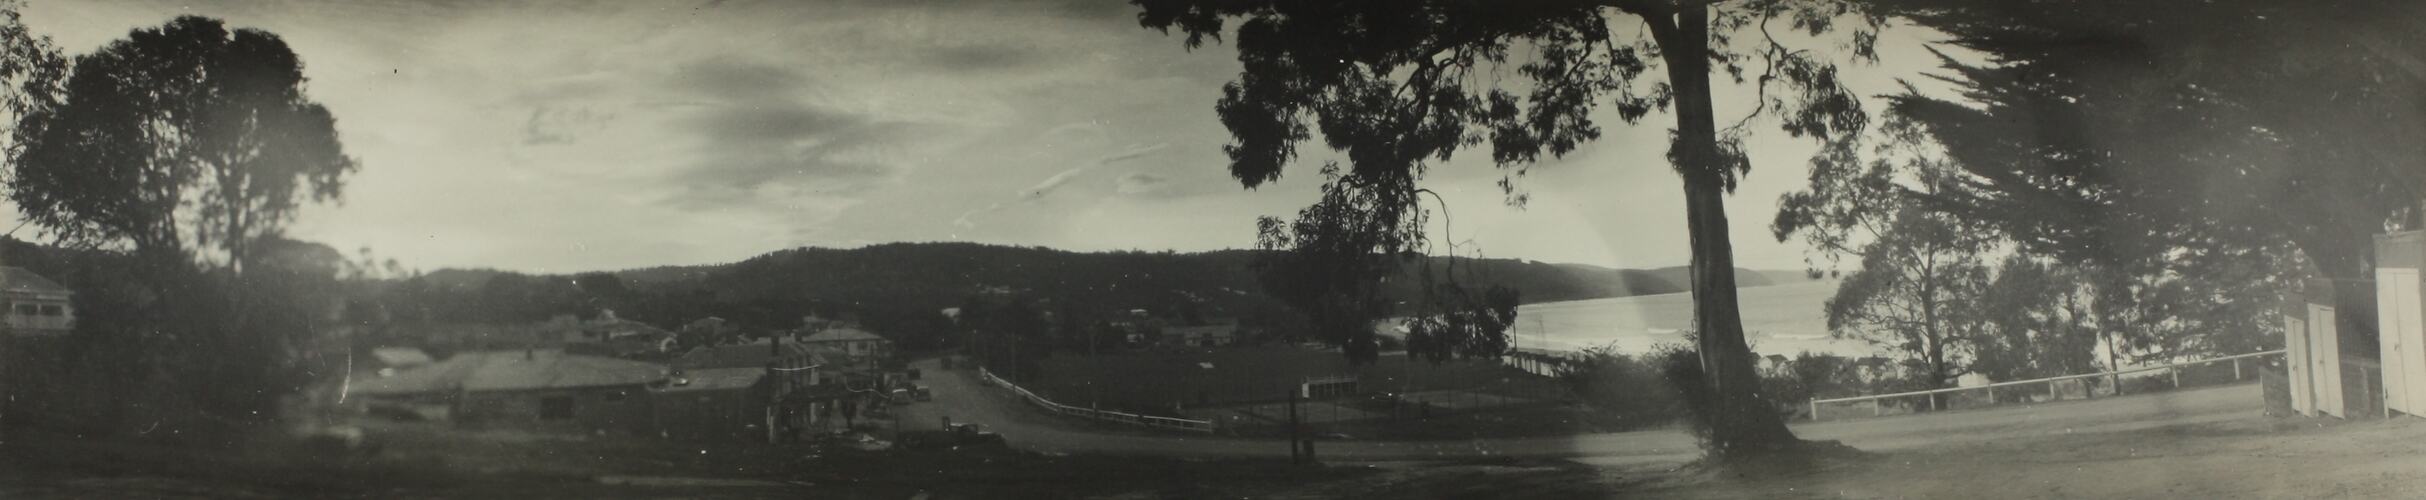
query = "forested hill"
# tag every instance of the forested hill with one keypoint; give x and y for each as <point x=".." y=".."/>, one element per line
<point x="931" y="276"/>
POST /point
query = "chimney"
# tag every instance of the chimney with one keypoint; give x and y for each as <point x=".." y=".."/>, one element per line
<point x="775" y="345"/>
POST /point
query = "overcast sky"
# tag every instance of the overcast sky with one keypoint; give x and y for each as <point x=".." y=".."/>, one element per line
<point x="568" y="136"/>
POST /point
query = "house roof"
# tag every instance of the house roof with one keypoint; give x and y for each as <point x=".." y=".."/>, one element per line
<point x="400" y="356"/>
<point x="513" y="371"/>
<point x="1215" y="329"/>
<point x="750" y="355"/>
<point x="613" y="328"/>
<point x="18" y="279"/>
<point x="841" y="334"/>
<point x="711" y="379"/>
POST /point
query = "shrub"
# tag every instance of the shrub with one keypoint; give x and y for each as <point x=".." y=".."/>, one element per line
<point x="1681" y="366"/>
<point x="1625" y="388"/>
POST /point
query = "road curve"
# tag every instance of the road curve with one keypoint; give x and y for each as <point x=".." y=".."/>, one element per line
<point x="959" y="396"/>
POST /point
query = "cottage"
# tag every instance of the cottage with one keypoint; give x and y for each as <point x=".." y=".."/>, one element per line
<point x="1213" y="335"/>
<point x="34" y="305"/>
<point x="850" y="342"/>
<point x="544" y="390"/>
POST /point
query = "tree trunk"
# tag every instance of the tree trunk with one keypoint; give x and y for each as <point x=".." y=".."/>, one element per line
<point x="1741" y="420"/>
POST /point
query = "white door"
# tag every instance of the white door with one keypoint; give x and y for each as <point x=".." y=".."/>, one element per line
<point x="2409" y="306"/>
<point x="2325" y="346"/>
<point x="2296" y="364"/>
<point x="2400" y="354"/>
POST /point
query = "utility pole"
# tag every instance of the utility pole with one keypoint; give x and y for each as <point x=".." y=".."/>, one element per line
<point x="2113" y="362"/>
<point x="1295" y="453"/>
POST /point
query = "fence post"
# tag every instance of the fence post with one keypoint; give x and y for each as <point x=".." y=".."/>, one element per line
<point x="2236" y="369"/>
<point x="1815" y="409"/>
<point x="1877" y="409"/>
<point x="2055" y="391"/>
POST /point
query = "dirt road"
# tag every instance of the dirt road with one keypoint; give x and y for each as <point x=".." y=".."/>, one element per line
<point x="961" y="397"/>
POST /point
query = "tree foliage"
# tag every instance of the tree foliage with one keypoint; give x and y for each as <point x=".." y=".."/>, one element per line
<point x="1920" y="277"/>
<point x="172" y="158"/>
<point x="2125" y="131"/>
<point x="186" y="137"/>
<point x="1399" y="87"/>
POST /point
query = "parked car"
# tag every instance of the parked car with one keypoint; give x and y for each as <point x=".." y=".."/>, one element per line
<point x="921" y="393"/>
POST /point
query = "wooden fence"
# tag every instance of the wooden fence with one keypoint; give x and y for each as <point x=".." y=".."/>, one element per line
<point x="1204" y="426"/>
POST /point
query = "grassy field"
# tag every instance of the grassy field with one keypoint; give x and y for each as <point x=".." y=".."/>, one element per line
<point x="1169" y="382"/>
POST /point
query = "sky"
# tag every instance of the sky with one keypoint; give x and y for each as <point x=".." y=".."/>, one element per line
<point x="574" y="136"/>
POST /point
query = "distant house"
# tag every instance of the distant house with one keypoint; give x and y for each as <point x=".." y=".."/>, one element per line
<point x="35" y="306"/>
<point x="1213" y="335"/>
<point x="545" y="390"/>
<point x="851" y="342"/>
<point x="393" y="359"/>
<point x="608" y="335"/>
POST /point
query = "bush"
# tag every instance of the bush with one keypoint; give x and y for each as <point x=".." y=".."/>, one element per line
<point x="1626" y="389"/>
<point x="1682" y="368"/>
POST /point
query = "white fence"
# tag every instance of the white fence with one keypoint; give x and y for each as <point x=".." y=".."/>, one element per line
<point x="1205" y="426"/>
<point x="1877" y="408"/>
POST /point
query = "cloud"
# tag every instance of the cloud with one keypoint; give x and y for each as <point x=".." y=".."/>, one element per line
<point x="979" y="57"/>
<point x="1141" y="183"/>
<point x="1054" y="183"/>
<point x="761" y="133"/>
<point x="560" y="124"/>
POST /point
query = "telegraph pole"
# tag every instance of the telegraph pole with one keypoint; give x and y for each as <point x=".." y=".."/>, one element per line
<point x="1295" y="453"/>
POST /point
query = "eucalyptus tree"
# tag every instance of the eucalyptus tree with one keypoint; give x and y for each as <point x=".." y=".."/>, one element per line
<point x="1920" y="274"/>
<point x="1399" y="87"/>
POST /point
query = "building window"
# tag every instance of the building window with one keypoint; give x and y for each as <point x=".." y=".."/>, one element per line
<point x="53" y="310"/>
<point x="556" y="408"/>
<point x="27" y="310"/>
<point x="614" y="396"/>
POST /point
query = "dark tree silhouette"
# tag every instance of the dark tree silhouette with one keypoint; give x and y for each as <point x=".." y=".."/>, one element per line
<point x="2121" y="131"/>
<point x="191" y="146"/>
<point x="1397" y="86"/>
<point x="184" y="141"/>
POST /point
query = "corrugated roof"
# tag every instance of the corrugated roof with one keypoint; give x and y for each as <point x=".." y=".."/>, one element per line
<point x="18" y="279"/>
<point x="841" y="334"/>
<point x="711" y="379"/>
<point x="751" y="355"/>
<point x="400" y="356"/>
<point x="514" y="371"/>
<point x="1219" y="329"/>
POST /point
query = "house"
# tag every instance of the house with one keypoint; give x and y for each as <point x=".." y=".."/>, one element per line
<point x="34" y="305"/>
<point x="531" y="389"/>
<point x="390" y="360"/>
<point x="1213" y="335"/>
<point x="849" y="342"/>
<point x="608" y="335"/>
<point x="767" y="387"/>
<point x="719" y="404"/>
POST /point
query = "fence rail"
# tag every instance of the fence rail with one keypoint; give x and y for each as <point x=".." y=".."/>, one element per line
<point x="1204" y="426"/>
<point x="1874" y="399"/>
